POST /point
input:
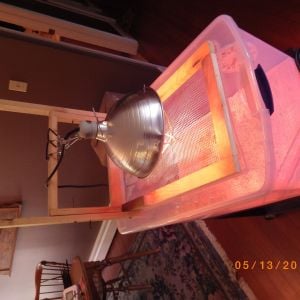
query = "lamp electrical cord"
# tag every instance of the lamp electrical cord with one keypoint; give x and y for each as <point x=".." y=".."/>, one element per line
<point x="66" y="137"/>
<point x="69" y="134"/>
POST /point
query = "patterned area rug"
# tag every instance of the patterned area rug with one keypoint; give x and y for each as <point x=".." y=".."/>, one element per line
<point x="187" y="267"/>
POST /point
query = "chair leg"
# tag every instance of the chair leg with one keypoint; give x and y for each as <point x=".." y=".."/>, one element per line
<point x="118" y="259"/>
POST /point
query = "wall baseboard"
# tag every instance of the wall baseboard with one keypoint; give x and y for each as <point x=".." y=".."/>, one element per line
<point x="103" y="241"/>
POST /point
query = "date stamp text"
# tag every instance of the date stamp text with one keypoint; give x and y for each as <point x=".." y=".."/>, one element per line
<point x="282" y="265"/>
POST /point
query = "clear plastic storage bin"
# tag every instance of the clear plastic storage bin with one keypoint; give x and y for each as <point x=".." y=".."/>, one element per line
<point x="266" y="147"/>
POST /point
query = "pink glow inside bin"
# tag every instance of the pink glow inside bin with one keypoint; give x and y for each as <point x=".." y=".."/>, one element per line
<point x="268" y="147"/>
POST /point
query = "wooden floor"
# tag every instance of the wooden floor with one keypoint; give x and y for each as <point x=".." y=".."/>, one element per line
<point x="264" y="245"/>
<point x="164" y="29"/>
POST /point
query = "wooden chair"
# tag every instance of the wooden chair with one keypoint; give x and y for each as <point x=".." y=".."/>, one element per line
<point x="98" y="287"/>
<point x="51" y="279"/>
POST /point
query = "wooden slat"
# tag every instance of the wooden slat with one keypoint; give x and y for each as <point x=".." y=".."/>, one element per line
<point x="52" y="161"/>
<point x="138" y="203"/>
<point x="25" y="108"/>
<point x="184" y="72"/>
<point x="218" y="108"/>
<point x="43" y="110"/>
<point x="52" y="220"/>
<point x="72" y="118"/>
<point x="192" y="181"/>
<point x="83" y="210"/>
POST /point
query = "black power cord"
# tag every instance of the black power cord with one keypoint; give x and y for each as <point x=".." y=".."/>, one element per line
<point x="68" y="135"/>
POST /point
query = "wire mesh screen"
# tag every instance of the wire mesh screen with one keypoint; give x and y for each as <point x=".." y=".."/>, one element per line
<point x="189" y="143"/>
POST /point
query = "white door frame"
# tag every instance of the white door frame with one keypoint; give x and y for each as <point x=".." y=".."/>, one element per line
<point x="103" y="241"/>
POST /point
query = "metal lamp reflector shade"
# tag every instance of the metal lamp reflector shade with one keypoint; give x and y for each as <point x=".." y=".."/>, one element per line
<point x="133" y="132"/>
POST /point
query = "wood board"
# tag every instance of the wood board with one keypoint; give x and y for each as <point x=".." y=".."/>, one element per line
<point x="8" y="238"/>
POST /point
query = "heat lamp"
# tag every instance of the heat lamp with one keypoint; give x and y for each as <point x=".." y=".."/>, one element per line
<point x="132" y="132"/>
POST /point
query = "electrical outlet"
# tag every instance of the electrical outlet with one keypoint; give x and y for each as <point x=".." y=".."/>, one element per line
<point x="18" y="86"/>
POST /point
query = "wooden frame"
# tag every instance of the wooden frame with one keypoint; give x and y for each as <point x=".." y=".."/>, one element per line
<point x="67" y="215"/>
<point x="37" y="21"/>
<point x="203" y="58"/>
<point x="56" y="117"/>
